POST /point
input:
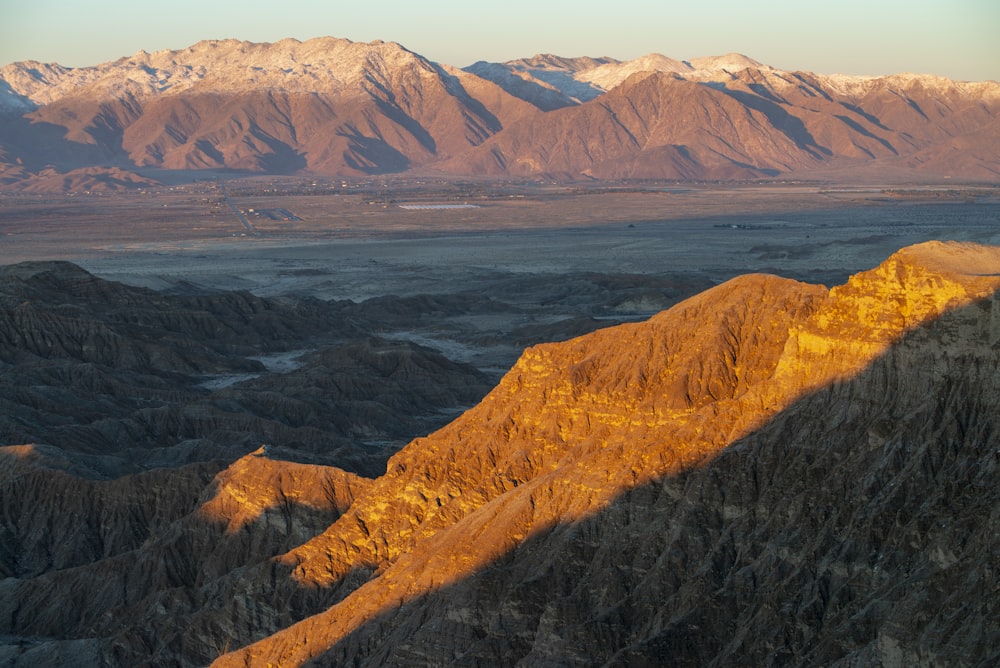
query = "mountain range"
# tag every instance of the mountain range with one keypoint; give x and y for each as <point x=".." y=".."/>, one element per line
<point x="769" y="472"/>
<point x="330" y="106"/>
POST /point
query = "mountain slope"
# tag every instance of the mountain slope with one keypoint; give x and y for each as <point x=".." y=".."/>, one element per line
<point x="86" y="563"/>
<point x="621" y="497"/>
<point x="325" y="105"/>
<point x="550" y="82"/>
<point x="768" y="472"/>
<point x="754" y="123"/>
<point x="546" y="81"/>
<point x="336" y="107"/>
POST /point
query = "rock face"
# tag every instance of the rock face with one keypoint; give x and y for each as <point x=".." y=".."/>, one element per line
<point x="145" y="496"/>
<point x="335" y="107"/>
<point x="768" y="472"/>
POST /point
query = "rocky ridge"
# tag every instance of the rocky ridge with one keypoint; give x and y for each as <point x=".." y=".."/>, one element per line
<point x="550" y="82"/>
<point x="84" y="579"/>
<point x="326" y="105"/>
<point x="490" y="538"/>
<point x="753" y="123"/>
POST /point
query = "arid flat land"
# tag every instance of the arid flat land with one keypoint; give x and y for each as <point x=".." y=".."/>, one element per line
<point x="335" y="239"/>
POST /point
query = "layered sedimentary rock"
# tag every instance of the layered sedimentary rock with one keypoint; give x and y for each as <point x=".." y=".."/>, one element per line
<point x="130" y="570"/>
<point x="770" y="471"/>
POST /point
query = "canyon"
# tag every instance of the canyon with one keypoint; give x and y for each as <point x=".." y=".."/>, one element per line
<point x="739" y="458"/>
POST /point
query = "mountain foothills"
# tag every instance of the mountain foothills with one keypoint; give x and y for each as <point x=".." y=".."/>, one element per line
<point x="769" y="472"/>
<point x="334" y="107"/>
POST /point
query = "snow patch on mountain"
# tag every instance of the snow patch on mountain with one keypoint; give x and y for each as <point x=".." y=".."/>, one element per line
<point x="583" y="79"/>
<point x="323" y="64"/>
<point x="329" y="64"/>
<point x="13" y="103"/>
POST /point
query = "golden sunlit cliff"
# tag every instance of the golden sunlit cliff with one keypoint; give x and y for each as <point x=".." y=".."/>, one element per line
<point x="768" y="472"/>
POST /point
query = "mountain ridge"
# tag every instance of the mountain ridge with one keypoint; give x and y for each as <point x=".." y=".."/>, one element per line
<point x="572" y="427"/>
<point x="750" y="124"/>
<point x="330" y="106"/>
<point x="326" y="105"/>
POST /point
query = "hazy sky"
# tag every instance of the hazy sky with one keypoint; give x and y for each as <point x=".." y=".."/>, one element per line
<point x="954" y="38"/>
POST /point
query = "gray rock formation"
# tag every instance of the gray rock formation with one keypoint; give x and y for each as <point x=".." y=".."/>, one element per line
<point x="122" y="378"/>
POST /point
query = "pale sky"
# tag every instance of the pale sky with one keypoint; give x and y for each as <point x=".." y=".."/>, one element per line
<point x="954" y="38"/>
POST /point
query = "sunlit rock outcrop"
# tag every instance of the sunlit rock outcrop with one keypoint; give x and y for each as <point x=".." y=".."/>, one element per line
<point x="681" y="490"/>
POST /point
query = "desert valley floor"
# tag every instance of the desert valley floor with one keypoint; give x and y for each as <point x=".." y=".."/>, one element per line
<point x="355" y="241"/>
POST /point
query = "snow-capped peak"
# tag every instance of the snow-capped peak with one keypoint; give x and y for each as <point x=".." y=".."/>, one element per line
<point x="325" y="63"/>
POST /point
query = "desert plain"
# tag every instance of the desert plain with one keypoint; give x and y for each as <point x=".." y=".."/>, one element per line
<point x="361" y="239"/>
<point x="538" y="254"/>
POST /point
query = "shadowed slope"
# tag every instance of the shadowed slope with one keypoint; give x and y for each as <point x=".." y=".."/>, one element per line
<point x="130" y="570"/>
<point x="575" y="426"/>
<point x="122" y="378"/>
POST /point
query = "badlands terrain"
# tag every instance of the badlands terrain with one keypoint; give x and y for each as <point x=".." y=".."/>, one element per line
<point x="330" y="436"/>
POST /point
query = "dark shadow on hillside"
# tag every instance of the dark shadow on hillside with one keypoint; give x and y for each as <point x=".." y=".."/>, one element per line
<point x="488" y="123"/>
<point x="532" y="92"/>
<point x="854" y="527"/>
<point x="123" y="379"/>
<point x="855" y="522"/>
<point x="871" y="118"/>
<point x="394" y="113"/>
<point x="208" y="149"/>
<point x="136" y="572"/>
<point x="385" y="100"/>
<point x="854" y="125"/>
<point x="786" y="123"/>
<point x="809" y="85"/>
<point x="282" y="158"/>
<point x="371" y="155"/>
<point x="41" y="145"/>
